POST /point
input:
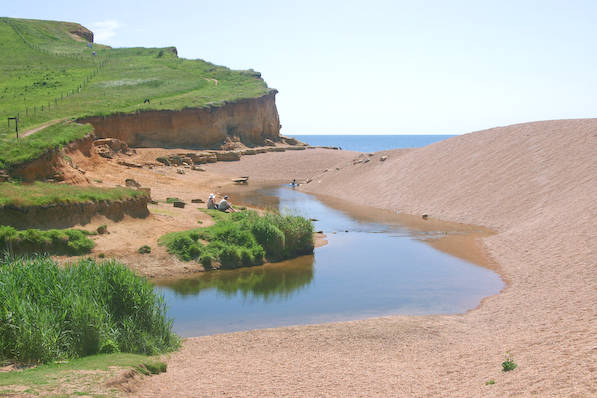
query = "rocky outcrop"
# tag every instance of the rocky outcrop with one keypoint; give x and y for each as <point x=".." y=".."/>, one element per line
<point x="252" y="121"/>
<point x="81" y="31"/>
<point x="65" y="215"/>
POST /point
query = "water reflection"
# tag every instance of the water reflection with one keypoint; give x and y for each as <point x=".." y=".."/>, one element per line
<point x="268" y="282"/>
<point x="375" y="264"/>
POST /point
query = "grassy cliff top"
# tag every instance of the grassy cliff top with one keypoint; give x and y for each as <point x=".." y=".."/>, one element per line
<point x="40" y="193"/>
<point x="48" y="72"/>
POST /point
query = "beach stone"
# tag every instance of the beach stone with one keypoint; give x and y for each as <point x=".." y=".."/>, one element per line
<point x="180" y="171"/>
<point x="113" y="143"/>
<point x="129" y="182"/>
<point x="180" y="205"/>
<point x="268" y="142"/>
<point x="129" y="164"/>
<point x="163" y="160"/>
<point x="228" y="156"/>
<point x="197" y="168"/>
<point x="197" y="201"/>
<point x="425" y="216"/>
<point x="4" y="177"/>
<point x="383" y="158"/>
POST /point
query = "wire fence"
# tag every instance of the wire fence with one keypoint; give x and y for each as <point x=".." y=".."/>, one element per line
<point x="33" y="111"/>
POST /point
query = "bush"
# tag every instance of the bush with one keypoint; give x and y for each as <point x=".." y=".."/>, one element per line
<point x="50" y="313"/>
<point x="144" y="249"/>
<point x="53" y="241"/>
<point x="509" y="363"/>
<point x="243" y="239"/>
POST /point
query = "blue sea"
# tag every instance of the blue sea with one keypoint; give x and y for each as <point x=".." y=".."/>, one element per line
<point x="371" y="143"/>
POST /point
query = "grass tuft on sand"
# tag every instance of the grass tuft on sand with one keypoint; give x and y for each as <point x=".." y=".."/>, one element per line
<point x="243" y="239"/>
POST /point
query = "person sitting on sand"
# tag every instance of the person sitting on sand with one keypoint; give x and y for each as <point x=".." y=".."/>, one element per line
<point x="294" y="183"/>
<point x="225" y="205"/>
<point x="211" y="202"/>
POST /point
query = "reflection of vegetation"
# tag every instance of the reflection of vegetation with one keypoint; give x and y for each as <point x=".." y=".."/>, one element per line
<point x="269" y="281"/>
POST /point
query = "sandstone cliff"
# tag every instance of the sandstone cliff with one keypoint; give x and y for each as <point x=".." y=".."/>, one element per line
<point x="251" y="120"/>
<point x="65" y="215"/>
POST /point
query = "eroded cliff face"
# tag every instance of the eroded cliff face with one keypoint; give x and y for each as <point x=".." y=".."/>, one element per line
<point x="251" y="120"/>
<point x="65" y="215"/>
<point x="48" y="165"/>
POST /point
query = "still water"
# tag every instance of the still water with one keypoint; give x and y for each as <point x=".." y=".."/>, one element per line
<point x="368" y="268"/>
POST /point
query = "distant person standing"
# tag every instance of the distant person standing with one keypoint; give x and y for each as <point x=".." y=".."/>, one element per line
<point x="224" y="205"/>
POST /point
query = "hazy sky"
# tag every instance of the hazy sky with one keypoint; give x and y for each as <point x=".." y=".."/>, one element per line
<point x="374" y="66"/>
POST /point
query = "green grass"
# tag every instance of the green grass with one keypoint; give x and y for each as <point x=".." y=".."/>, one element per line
<point x="243" y="239"/>
<point x="40" y="193"/>
<point x="14" y="152"/>
<point x="42" y="66"/>
<point x="86" y="375"/>
<point x="53" y="241"/>
<point x="50" y="313"/>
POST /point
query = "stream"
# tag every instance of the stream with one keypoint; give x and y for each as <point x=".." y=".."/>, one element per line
<point x="371" y="266"/>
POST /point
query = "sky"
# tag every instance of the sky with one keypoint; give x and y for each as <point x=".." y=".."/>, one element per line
<point x="374" y="67"/>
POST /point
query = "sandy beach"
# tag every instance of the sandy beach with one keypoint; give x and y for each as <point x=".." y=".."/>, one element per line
<point x="535" y="185"/>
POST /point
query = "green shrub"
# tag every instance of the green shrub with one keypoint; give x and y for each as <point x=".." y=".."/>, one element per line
<point x="53" y="241"/>
<point x="50" y="313"/>
<point x="243" y="239"/>
<point x="144" y="249"/>
<point x="509" y="363"/>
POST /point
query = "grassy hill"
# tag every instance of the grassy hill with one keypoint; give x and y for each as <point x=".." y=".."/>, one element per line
<point x="49" y="73"/>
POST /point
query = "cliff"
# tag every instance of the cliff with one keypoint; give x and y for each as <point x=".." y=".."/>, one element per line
<point x="65" y="215"/>
<point x="250" y="120"/>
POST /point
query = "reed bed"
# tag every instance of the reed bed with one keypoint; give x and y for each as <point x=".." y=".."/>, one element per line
<point x="49" y="312"/>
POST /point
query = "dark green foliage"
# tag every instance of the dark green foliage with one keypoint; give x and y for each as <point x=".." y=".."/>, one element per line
<point x="51" y="313"/>
<point x="53" y="241"/>
<point x="243" y="239"/>
<point x="509" y="363"/>
<point x="144" y="249"/>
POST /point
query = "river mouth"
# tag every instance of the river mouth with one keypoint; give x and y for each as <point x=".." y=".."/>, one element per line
<point x="375" y="264"/>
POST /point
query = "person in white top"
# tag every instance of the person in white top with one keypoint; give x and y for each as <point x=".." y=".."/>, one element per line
<point x="211" y="202"/>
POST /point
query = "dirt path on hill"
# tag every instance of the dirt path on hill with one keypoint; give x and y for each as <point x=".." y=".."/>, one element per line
<point x="27" y="133"/>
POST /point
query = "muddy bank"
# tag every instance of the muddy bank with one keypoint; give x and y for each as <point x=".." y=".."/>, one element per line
<point x="252" y="121"/>
<point x="65" y="215"/>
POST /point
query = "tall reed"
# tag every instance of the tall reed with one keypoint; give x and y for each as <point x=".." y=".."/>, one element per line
<point x="48" y="312"/>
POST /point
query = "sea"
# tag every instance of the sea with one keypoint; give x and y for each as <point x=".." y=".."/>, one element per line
<point x="371" y="143"/>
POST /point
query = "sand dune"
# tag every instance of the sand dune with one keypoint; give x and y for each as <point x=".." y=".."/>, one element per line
<point x="536" y="184"/>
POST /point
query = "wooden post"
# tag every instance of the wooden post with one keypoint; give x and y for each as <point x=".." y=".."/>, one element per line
<point x="16" y="119"/>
